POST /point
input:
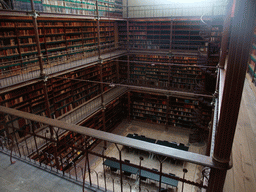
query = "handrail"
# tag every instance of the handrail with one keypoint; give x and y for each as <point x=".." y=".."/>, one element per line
<point x="110" y="137"/>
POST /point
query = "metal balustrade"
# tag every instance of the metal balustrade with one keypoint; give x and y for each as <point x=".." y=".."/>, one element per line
<point x="176" y="9"/>
<point x="85" y="165"/>
<point x="85" y="110"/>
<point x="29" y="72"/>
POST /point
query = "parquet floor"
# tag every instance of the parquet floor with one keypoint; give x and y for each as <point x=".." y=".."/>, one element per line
<point x="242" y="177"/>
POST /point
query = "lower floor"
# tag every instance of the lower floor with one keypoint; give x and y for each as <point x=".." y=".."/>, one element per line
<point x="240" y="178"/>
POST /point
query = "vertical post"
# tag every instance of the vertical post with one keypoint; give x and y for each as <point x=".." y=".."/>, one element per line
<point x="167" y="111"/>
<point x="169" y="86"/>
<point x="84" y="171"/>
<point x="48" y="112"/>
<point x="117" y="71"/>
<point x="98" y="29"/>
<point x="8" y="142"/>
<point x="45" y="44"/>
<point x="171" y="35"/>
<point x="214" y="105"/>
<point x="66" y="42"/>
<point x="128" y="43"/>
<point x="88" y="166"/>
<point x="100" y="62"/>
<point x="129" y="106"/>
<point x="47" y="104"/>
<point x="225" y="35"/>
<point x="40" y="60"/>
<point x="128" y="68"/>
<point x="13" y="131"/>
<point x="160" y="179"/>
<point x="27" y="148"/>
<point x="208" y="149"/>
<point x="127" y="35"/>
<point x="121" y="169"/>
<point x="34" y="16"/>
<point x="184" y="173"/>
<point x="72" y="91"/>
<point x="18" y="42"/>
<point x="104" y="172"/>
<point x="34" y="136"/>
<point x="240" y="41"/>
<point x="141" y="159"/>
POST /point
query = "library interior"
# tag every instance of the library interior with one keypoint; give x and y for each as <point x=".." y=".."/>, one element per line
<point x="128" y="95"/>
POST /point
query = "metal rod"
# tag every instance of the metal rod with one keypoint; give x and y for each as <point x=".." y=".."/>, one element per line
<point x="141" y="159"/>
<point x="88" y="166"/>
<point x="167" y="112"/>
<point x="84" y="174"/>
<point x="34" y="16"/>
<point x="170" y="64"/>
<point x="155" y="90"/>
<point x="129" y="106"/>
<point x="104" y="171"/>
<point x="184" y="172"/>
<point x="9" y="138"/>
<point x="121" y="169"/>
<point x="16" y="141"/>
<point x="34" y="136"/>
<point x="160" y="179"/>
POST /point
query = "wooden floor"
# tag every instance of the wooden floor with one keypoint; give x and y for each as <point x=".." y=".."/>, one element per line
<point x="242" y="177"/>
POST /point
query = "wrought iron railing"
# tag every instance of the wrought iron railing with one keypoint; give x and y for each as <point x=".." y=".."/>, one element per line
<point x="28" y="69"/>
<point x="89" y="149"/>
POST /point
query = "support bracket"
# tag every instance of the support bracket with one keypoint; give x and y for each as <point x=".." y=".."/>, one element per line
<point x="44" y="77"/>
<point x="34" y="14"/>
<point x="103" y="106"/>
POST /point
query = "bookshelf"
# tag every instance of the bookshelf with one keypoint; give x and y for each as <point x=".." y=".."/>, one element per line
<point x="61" y="40"/>
<point x="115" y="112"/>
<point x="186" y="35"/>
<point x="64" y="94"/>
<point x="123" y="68"/>
<point x="29" y="99"/>
<point x="252" y="59"/>
<point x="214" y="42"/>
<point x="171" y="34"/>
<point x="185" y="75"/>
<point x="175" y="111"/>
<point x="122" y="34"/>
<point x="17" y="44"/>
<point x="66" y="150"/>
<point x="110" y="8"/>
<point x="69" y="141"/>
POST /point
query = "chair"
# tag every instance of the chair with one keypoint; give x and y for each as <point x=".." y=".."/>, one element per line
<point x="143" y="178"/>
<point x="113" y="169"/>
<point x="127" y="161"/>
<point x="128" y="174"/>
